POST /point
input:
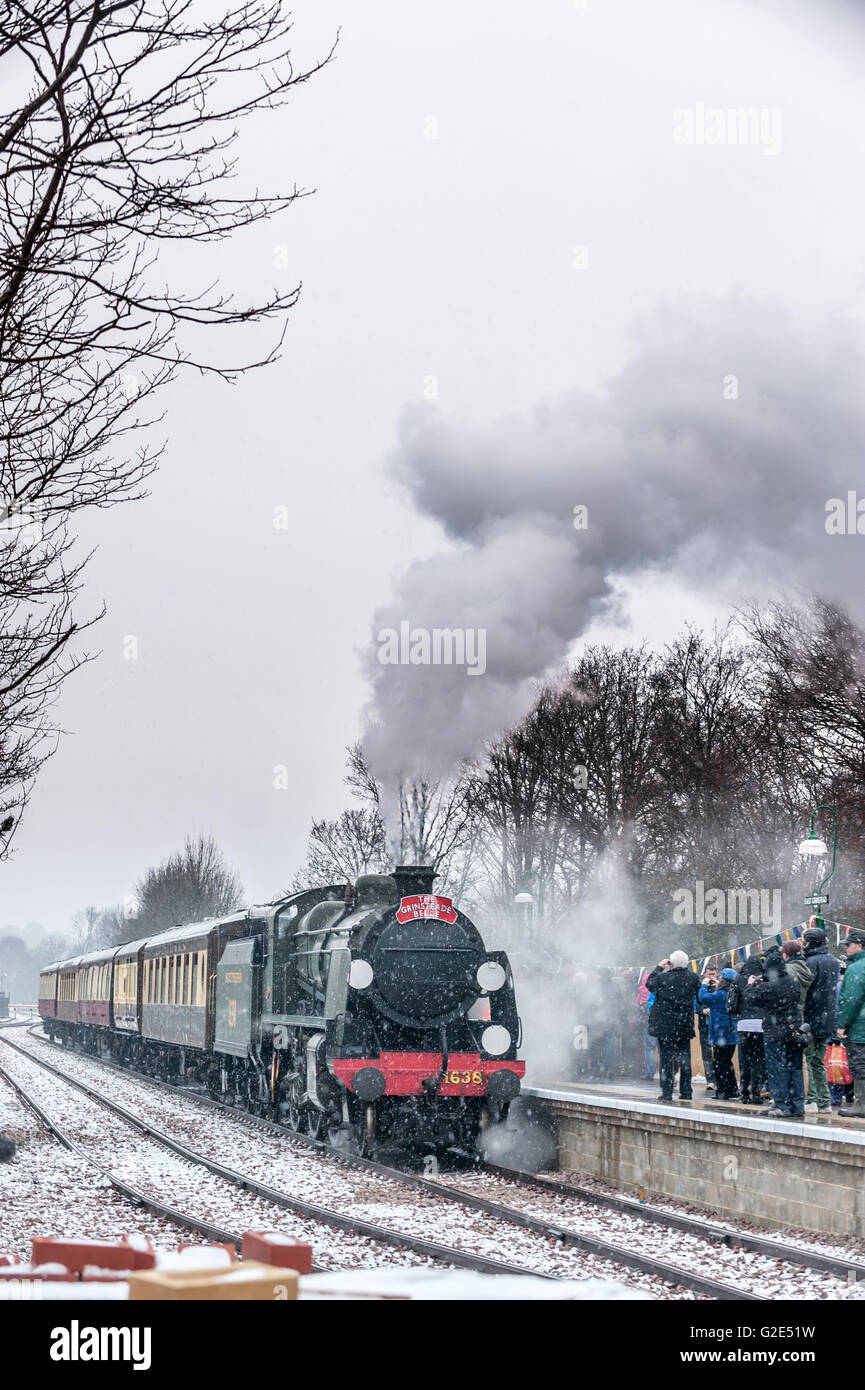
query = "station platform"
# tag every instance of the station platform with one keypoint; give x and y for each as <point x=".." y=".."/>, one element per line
<point x="807" y="1173"/>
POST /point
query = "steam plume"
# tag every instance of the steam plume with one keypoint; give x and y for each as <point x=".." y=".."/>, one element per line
<point x="681" y="470"/>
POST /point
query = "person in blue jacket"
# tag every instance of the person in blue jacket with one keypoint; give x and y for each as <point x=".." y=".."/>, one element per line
<point x="722" y="1033"/>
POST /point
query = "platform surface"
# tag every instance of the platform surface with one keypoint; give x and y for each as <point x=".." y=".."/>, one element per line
<point x="642" y="1095"/>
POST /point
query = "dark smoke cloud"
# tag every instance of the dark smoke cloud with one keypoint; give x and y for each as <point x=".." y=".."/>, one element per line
<point x="675" y="478"/>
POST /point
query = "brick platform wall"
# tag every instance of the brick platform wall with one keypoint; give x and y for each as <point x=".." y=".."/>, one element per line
<point x="734" y="1167"/>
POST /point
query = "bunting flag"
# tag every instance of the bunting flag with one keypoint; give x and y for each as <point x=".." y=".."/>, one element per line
<point x="758" y="947"/>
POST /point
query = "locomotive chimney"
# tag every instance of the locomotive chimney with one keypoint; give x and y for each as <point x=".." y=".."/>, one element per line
<point x="414" y="878"/>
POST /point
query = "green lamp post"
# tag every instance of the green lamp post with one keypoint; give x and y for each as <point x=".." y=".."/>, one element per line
<point x="815" y="848"/>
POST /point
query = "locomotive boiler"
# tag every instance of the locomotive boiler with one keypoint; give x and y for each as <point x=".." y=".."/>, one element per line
<point x="363" y="1013"/>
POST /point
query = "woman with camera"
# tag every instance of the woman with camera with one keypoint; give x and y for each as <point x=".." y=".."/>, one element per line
<point x="784" y="1035"/>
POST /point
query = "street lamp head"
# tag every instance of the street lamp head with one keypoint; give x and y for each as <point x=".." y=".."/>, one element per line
<point x="523" y="898"/>
<point x="813" y="847"/>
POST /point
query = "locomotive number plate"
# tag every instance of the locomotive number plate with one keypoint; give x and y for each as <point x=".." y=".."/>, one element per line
<point x="463" y="1078"/>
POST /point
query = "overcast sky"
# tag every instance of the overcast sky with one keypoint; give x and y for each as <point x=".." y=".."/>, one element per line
<point x="452" y="258"/>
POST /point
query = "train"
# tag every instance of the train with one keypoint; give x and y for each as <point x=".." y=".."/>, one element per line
<point x="363" y="1013"/>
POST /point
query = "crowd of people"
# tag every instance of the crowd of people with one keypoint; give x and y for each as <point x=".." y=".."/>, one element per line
<point x="780" y="1012"/>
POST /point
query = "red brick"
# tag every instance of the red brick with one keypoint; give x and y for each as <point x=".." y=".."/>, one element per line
<point x="273" y="1248"/>
<point x="75" y="1254"/>
<point x="143" y="1258"/>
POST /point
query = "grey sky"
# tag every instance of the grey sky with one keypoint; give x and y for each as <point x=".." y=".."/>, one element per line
<point x="450" y="257"/>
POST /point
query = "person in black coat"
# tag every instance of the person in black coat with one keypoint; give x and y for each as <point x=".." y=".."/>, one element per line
<point x="821" y="1015"/>
<point x="671" y="1020"/>
<point x="777" y="993"/>
<point x="748" y="1015"/>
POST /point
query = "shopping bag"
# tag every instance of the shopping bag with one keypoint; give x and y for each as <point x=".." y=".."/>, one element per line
<point x="838" y="1072"/>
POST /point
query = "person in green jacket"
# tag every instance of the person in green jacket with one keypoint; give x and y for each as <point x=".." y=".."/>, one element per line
<point x="851" y="1019"/>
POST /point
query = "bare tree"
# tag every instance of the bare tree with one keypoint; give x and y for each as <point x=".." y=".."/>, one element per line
<point x="189" y="886"/>
<point x="354" y="843"/>
<point x="116" y="142"/>
<point x="99" y="928"/>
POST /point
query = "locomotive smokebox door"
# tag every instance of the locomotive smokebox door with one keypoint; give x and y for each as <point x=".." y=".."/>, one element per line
<point x="236" y="996"/>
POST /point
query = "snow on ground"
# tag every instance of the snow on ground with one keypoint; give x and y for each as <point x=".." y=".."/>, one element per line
<point x="744" y="1269"/>
<point x="288" y="1166"/>
<point x="463" y="1285"/>
<point x="45" y="1190"/>
<point x="837" y="1247"/>
<point x="57" y="1208"/>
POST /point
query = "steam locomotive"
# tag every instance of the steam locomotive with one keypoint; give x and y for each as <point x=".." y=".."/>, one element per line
<point x="363" y="1013"/>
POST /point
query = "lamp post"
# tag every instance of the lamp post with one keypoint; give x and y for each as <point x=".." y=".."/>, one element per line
<point x="815" y="848"/>
<point x="524" y="903"/>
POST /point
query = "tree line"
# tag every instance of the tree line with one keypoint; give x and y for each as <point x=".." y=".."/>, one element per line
<point x="190" y="885"/>
<point x="637" y="774"/>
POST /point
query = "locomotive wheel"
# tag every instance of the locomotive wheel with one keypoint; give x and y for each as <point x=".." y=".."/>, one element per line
<point x="294" y="1103"/>
<point x="337" y="1133"/>
<point x="315" y="1119"/>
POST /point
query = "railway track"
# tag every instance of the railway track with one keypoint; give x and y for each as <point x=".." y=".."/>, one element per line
<point x="541" y="1225"/>
<point x="702" y="1228"/>
<point x="311" y="1211"/>
<point x="691" y="1225"/>
<point x="140" y="1199"/>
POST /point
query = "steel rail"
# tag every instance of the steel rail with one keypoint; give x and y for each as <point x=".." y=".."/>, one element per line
<point x="549" y="1230"/>
<point x="382" y="1235"/>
